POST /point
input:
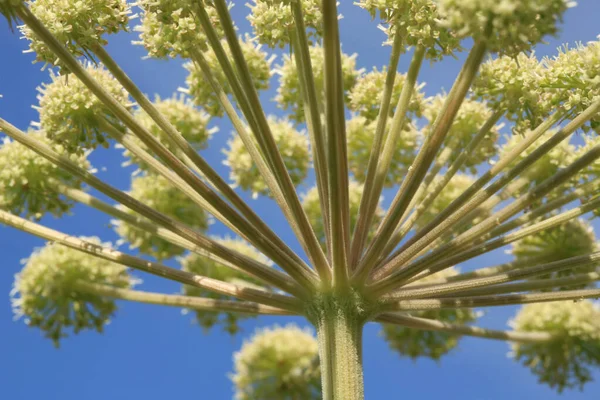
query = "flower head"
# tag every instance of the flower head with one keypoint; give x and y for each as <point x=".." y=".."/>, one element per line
<point x="293" y="146"/>
<point x="272" y="20"/>
<point x="46" y="291"/>
<point x="563" y="362"/>
<point x="158" y="193"/>
<point x="213" y="269"/>
<point x="278" y="363"/>
<point x="70" y="112"/>
<point x="79" y="25"/>
<point x="29" y="181"/>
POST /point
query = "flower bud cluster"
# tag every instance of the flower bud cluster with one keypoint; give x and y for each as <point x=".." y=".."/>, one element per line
<point x="29" y="181"/>
<point x="70" y="112"/>
<point x="273" y="21"/>
<point x="190" y="122"/>
<point x="515" y="25"/>
<point x="289" y="96"/>
<point x="78" y="25"/>
<point x="565" y="361"/>
<point x="259" y="64"/>
<point x="158" y="193"/>
<point x="471" y="116"/>
<point x="571" y="239"/>
<point x="46" y="293"/>
<point x="365" y="97"/>
<point x="416" y="343"/>
<point x="200" y="265"/>
<point x="360" y="134"/>
<point x="278" y="363"/>
<point x="293" y="146"/>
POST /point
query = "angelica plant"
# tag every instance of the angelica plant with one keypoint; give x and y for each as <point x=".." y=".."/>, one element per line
<point x="495" y="162"/>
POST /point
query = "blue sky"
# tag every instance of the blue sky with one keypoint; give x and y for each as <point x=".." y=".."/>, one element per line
<point x="150" y="352"/>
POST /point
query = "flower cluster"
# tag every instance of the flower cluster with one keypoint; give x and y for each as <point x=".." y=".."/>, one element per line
<point x="29" y="181"/>
<point x="278" y="363"/>
<point x="197" y="264"/>
<point x="360" y="134"/>
<point x="312" y="207"/>
<point x="515" y="25"/>
<point x="46" y="293"/>
<point x="288" y="94"/>
<point x="259" y="64"/>
<point x="158" y="193"/>
<point x="169" y="28"/>
<point x="416" y="343"/>
<point x="564" y="361"/>
<point x="79" y="25"/>
<point x="273" y="21"/>
<point x="471" y="116"/>
<point x="365" y="97"/>
<point x="189" y="121"/>
<point x="571" y="239"/>
<point x="70" y="114"/>
<point x="293" y="146"/>
<point x="418" y="22"/>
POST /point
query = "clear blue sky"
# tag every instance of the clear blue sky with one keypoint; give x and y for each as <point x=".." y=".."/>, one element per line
<point x="148" y="352"/>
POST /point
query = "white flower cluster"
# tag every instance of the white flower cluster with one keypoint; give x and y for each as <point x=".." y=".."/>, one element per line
<point x="416" y="343"/>
<point x="312" y="207"/>
<point x="571" y="239"/>
<point x="516" y="25"/>
<point x="365" y="97"/>
<point x="28" y="180"/>
<point x="565" y="361"/>
<point x="278" y="363"/>
<point x="259" y="64"/>
<point x="293" y="146"/>
<point x="70" y="112"/>
<point x="360" y="134"/>
<point x="158" y="193"/>
<point x="79" y="25"/>
<point x="273" y="21"/>
<point x="190" y="122"/>
<point x="197" y="264"/>
<point x="471" y="116"/>
<point x="45" y="291"/>
<point x="418" y="22"/>
<point x="288" y="93"/>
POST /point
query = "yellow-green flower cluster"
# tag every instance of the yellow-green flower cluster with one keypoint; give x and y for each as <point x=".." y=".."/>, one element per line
<point x="293" y="146"/>
<point x="565" y="361"/>
<point x="278" y="363"/>
<point x="513" y="84"/>
<point x="158" y="193"/>
<point x="273" y="21"/>
<point x="288" y="94"/>
<point x="416" y="343"/>
<point x="190" y="122"/>
<point x="471" y="116"/>
<point x="312" y="207"/>
<point x="78" y="25"/>
<point x="169" y="28"/>
<point x="365" y="97"/>
<point x="259" y="64"/>
<point x="572" y="79"/>
<point x="46" y="294"/>
<point x="571" y="239"/>
<point x="360" y="134"/>
<point x="28" y="180"/>
<point x="203" y="266"/>
<point x="70" y="113"/>
<point x="516" y="25"/>
<point x="417" y="22"/>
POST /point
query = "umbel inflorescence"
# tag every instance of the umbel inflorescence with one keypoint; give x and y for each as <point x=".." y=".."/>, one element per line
<point x="507" y="158"/>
